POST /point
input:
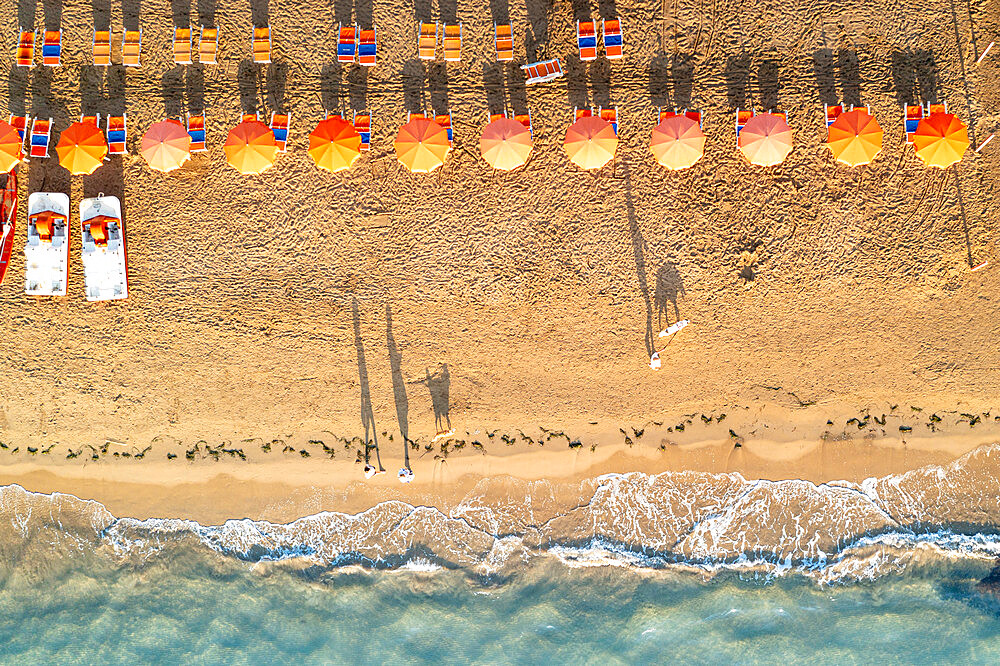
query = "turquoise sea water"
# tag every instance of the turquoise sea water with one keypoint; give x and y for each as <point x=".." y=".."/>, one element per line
<point x="190" y="609"/>
<point x="624" y="568"/>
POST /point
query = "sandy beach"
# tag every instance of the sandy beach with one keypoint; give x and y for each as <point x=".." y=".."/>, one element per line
<point x="835" y="320"/>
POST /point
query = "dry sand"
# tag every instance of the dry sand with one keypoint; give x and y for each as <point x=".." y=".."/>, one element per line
<point x="279" y="308"/>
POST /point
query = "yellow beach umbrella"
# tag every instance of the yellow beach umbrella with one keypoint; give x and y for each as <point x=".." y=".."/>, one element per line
<point x="334" y="144"/>
<point x="421" y="145"/>
<point x="855" y="137"/>
<point x="941" y="139"/>
<point x="166" y="145"/>
<point x="250" y="147"/>
<point x="766" y="139"/>
<point x="677" y="142"/>
<point x="81" y="148"/>
<point x="505" y="144"/>
<point x="10" y="147"/>
<point x="590" y="142"/>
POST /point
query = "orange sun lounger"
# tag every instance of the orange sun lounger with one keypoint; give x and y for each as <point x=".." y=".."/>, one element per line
<point x="208" y="46"/>
<point x="586" y="39"/>
<point x="131" y="45"/>
<point x="427" y="41"/>
<point x="94" y="120"/>
<point x="26" y="48"/>
<point x="503" y="34"/>
<point x="833" y="112"/>
<point x="262" y="45"/>
<point x="347" y="45"/>
<point x="540" y="72"/>
<point x="363" y="126"/>
<point x="452" y="42"/>
<point x="367" y="47"/>
<point x="196" y="130"/>
<point x="279" y="127"/>
<point x="182" y="46"/>
<point x="611" y="116"/>
<point x="742" y="118"/>
<point x="526" y="121"/>
<point x="41" y="130"/>
<point x="52" y="48"/>
<point x="444" y="120"/>
<point x="612" y="29"/>
<point x="116" y="132"/>
<point x="102" y="48"/>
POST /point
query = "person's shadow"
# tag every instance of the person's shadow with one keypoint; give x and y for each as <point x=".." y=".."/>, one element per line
<point x="439" y="384"/>
<point x="669" y="287"/>
<point x="398" y="385"/>
<point x="367" y="414"/>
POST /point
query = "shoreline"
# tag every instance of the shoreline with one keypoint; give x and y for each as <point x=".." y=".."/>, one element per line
<point x="281" y="487"/>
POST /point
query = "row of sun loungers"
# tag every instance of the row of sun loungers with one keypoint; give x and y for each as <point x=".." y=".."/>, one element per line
<point x="914" y="113"/>
<point x="586" y="39"/>
<point x="353" y="42"/>
<point x="609" y="115"/>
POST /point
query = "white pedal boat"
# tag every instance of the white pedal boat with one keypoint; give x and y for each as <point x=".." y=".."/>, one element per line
<point x="105" y="263"/>
<point x="46" y="251"/>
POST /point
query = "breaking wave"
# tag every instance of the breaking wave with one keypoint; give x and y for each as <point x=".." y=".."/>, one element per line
<point x="700" y="522"/>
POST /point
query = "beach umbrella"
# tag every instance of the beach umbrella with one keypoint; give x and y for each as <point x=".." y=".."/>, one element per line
<point x="81" y="148"/>
<point x="940" y="139"/>
<point x="421" y="145"/>
<point x="505" y="144"/>
<point x="334" y="144"/>
<point x="766" y="139"/>
<point x="250" y="147"/>
<point x="855" y="137"/>
<point x="590" y="142"/>
<point x="677" y="142"/>
<point x="10" y="147"/>
<point x="166" y="145"/>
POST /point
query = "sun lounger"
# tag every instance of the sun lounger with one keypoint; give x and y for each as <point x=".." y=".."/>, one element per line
<point x="586" y="39"/>
<point x="742" y="118"/>
<point x="497" y="116"/>
<point x="196" y="130"/>
<point x="26" y="49"/>
<point x="208" y="46"/>
<point x="832" y="113"/>
<point x="582" y="113"/>
<point x="540" y="72"/>
<point x="367" y="47"/>
<point x="611" y="116"/>
<point x="94" y="120"/>
<point x="102" y="48"/>
<point x="348" y="43"/>
<point x="116" y="131"/>
<point x="262" y="45"/>
<point x="612" y="30"/>
<point x="131" y="45"/>
<point x="41" y="130"/>
<point x="781" y="114"/>
<point x="52" y="48"/>
<point x="937" y="108"/>
<point x="20" y="123"/>
<point x="182" y="46"/>
<point x="279" y="127"/>
<point x="363" y="126"/>
<point x="427" y="42"/>
<point x="452" y="42"/>
<point x="504" y="39"/>
<point x="526" y="121"/>
<point x="413" y="115"/>
<point x="251" y="117"/>
<point x="694" y="115"/>
<point x="444" y="120"/>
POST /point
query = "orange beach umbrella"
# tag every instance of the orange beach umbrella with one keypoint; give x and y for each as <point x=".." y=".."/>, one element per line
<point x="940" y="139"/>
<point x="421" y="145"/>
<point x="250" y="147"/>
<point x="10" y="147"/>
<point x="766" y="139"/>
<point x="855" y="137"/>
<point x="166" y="145"/>
<point x="505" y="144"/>
<point x="590" y="142"/>
<point x="677" y="142"/>
<point x="334" y="144"/>
<point x="81" y="148"/>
